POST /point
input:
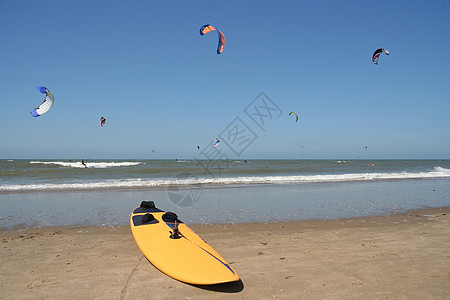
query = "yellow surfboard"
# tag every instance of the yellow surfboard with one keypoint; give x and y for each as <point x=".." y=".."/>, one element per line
<point x="175" y="249"/>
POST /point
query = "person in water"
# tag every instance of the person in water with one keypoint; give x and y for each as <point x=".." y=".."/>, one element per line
<point x="83" y="162"/>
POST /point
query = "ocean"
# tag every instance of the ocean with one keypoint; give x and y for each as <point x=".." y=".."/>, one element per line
<point x="35" y="193"/>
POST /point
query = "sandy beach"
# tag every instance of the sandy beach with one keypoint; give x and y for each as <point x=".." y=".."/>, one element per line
<point x="402" y="256"/>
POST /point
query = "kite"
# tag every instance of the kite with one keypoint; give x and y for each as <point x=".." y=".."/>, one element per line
<point x="365" y="148"/>
<point x="46" y="105"/>
<point x="198" y="147"/>
<point x="102" y="121"/>
<point x="208" y="28"/>
<point x="216" y="143"/>
<point x="377" y="53"/>
<point x="296" y="116"/>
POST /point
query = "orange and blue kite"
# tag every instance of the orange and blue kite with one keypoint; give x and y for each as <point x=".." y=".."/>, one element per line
<point x="208" y="28"/>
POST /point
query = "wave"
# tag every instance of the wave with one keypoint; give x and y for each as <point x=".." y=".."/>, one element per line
<point x="96" y="165"/>
<point x="343" y="161"/>
<point x="442" y="170"/>
<point x="188" y="181"/>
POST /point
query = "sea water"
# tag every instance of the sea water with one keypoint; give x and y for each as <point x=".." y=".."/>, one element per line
<point x="36" y="193"/>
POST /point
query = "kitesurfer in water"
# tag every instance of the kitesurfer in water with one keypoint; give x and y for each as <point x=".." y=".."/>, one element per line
<point x="83" y="162"/>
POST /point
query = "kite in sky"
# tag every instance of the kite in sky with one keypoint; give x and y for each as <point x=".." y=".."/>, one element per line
<point x="296" y="116"/>
<point x="216" y="143"/>
<point x="46" y="105"/>
<point x="103" y="121"/>
<point x="208" y="28"/>
<point x="377" y="54"/>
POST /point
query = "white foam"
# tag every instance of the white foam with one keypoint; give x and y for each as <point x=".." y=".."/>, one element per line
<point x="227" y="181"/>
<point x="442" y="170"/>
<point x="97" y="165"/>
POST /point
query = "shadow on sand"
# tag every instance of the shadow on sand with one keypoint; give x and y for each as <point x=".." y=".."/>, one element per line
<point x="227" y="287"/>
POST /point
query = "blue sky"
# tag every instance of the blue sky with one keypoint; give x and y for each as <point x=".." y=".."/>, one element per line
<point x="144" y="66"/>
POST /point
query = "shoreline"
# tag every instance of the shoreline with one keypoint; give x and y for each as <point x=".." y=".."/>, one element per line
<point x="262" y="203"/>
<point x="426" y="211"/>
<point x="402" y="255"/>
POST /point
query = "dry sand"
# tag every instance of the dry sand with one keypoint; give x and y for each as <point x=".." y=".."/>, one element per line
<point x="388" y="257"/>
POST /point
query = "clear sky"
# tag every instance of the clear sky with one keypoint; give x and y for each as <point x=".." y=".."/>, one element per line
<point x="161" y="86"/>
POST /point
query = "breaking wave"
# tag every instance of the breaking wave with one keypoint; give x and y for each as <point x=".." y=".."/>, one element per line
<point x="189" y="181"/>
<point x="96" y="165"/>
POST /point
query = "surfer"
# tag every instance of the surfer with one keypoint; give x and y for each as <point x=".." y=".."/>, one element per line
<point x="83" y="162"/>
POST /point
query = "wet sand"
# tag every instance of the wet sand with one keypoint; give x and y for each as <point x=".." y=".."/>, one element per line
<point x="403" y="256"/>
